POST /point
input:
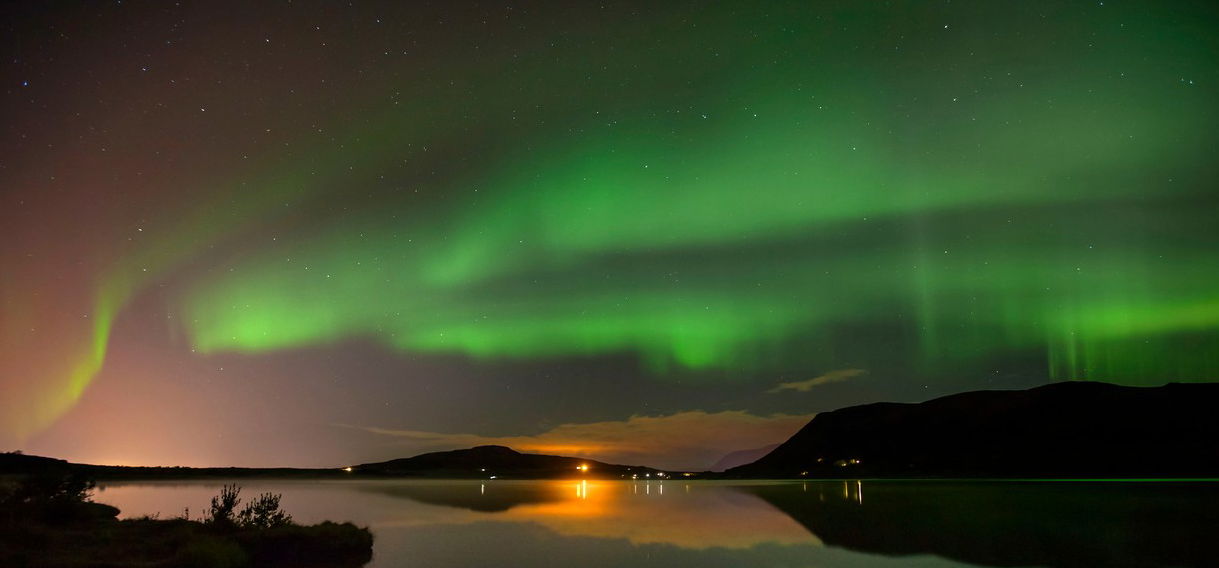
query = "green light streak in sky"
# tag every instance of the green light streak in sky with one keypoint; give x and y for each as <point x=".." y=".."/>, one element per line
<point x="1048" y="202"/>
<point x="172" y="242"/>
<point x="976" y="298"/>
<point x="756" y="176"/>
<point x="729" y="191"/>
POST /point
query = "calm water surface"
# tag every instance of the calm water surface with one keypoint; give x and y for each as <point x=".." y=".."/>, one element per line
<point x="824" y="523"/>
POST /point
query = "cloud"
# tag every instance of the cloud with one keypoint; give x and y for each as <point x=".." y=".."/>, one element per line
<point x="830" y="377"/>
<point x="691" y="440"/>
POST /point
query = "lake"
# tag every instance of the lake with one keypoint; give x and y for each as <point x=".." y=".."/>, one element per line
<point x="827" y="524"/>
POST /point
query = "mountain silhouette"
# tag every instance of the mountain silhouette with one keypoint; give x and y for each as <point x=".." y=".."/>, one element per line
<point x="1071" y="429"/>
<point x="480" y="462"/>
<point x="501" y="462"/>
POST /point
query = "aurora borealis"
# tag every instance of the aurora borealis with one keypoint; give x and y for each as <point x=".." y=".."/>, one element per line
<point x="292" y="226"/>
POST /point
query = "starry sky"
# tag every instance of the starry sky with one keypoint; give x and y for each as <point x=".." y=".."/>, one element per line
<point x="313" y="234"/>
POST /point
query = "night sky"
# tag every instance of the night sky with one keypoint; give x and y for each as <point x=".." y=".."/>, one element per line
<point x="314" y="234"/>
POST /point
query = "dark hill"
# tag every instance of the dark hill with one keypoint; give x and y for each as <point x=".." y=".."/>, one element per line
<point x="1072" y="429"/>
<point x="502" y="462"/>
<point x="479" y="462"/>
<point x="21" y="464"/>
<point x="13" y="463"/>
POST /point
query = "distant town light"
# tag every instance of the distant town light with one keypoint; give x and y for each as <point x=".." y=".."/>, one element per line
<point x="347" y="469"/>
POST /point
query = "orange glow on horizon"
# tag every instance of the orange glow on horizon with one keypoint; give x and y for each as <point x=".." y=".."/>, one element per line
<point x="561" y="449"/>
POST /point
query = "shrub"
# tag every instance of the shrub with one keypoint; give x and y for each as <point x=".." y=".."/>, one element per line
<point x="261" y="513"/>
<point x="58" y="497"/>
<point x="264" y="513"/>
<point x="223" y="507"/>
<point x="43" y="489"/>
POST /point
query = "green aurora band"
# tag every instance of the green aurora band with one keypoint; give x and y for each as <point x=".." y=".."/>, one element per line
<point x="726" y="193"/>
<point x="1057" y="203"/>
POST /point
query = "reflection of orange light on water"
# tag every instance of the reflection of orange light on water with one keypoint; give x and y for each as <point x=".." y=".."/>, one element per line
<point x="588" y="502"/>
<point x="613" y="510"/>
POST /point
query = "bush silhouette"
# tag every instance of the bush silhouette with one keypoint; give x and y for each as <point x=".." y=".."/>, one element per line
<point x="264" y="513"/>
<point x="44" y="489"/>
<point x="261" y="513"/>
<point x="223" y="506"/>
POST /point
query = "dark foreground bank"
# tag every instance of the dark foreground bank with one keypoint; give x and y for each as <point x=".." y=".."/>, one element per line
<point x="49" y="521"/>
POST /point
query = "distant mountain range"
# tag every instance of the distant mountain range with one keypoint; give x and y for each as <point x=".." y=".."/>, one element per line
<point x="499" y="461"/>
<point x="21" y="464"/>
<point x="1072" y="429"/>
<point x="483" y="462"/>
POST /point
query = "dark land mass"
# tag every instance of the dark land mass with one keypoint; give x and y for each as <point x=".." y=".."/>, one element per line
<point x="47" y="520"/>
<point x="501" y="462"/>
<point x="1069" y="430"/>
<point x="1058" y="524"/>
<point x="20" y="464"/>
<point x="107" y="542"/>
<point x="473" y="463"/>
